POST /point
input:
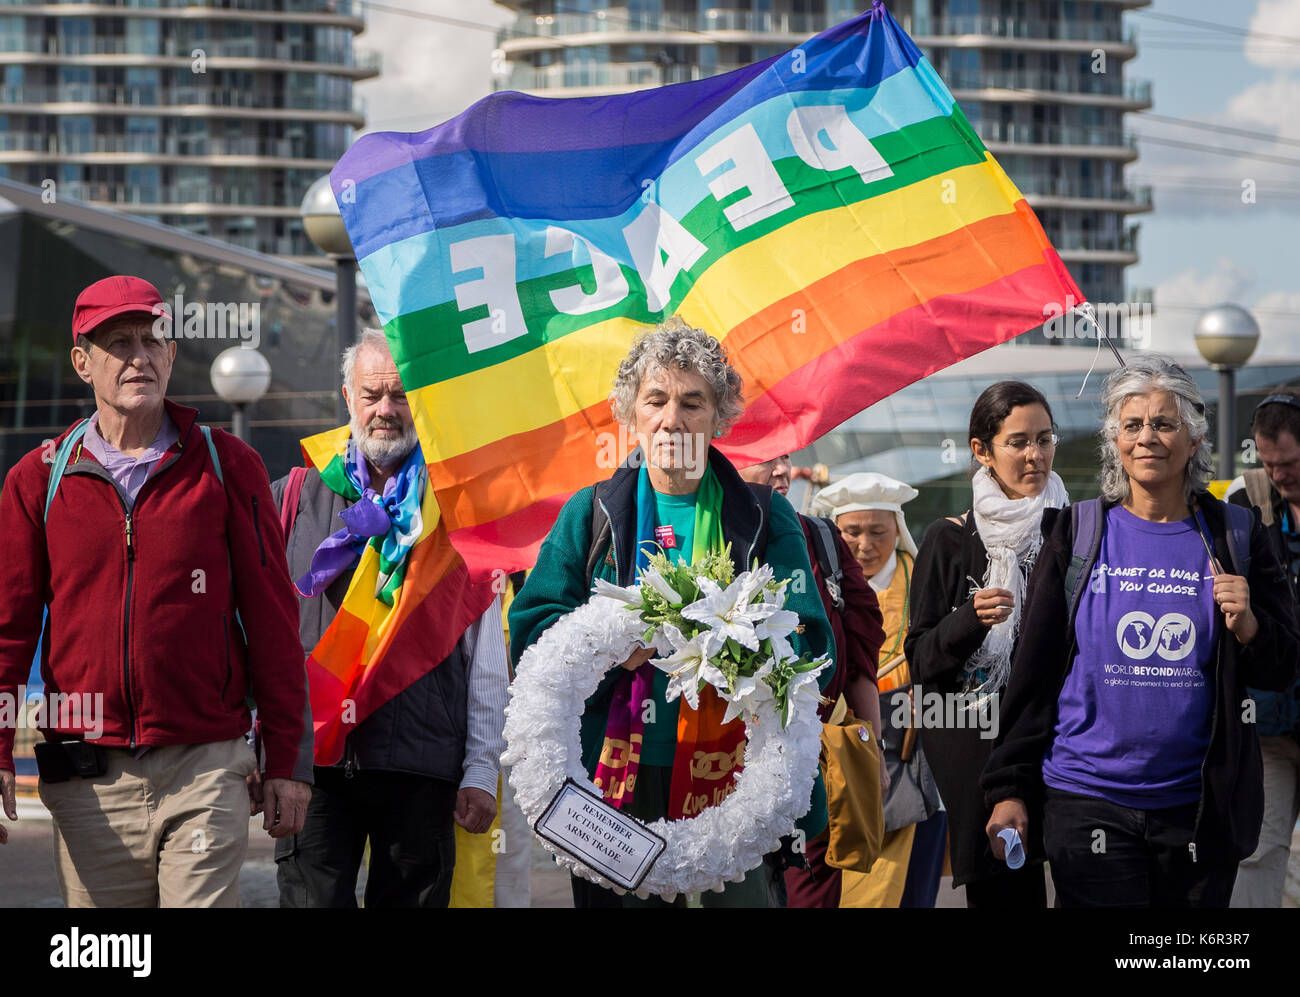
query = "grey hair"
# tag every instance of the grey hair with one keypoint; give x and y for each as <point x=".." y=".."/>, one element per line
<point x="1142" y="375"/>
<point x="369" y="339"/>
<point x="673" y="343"/>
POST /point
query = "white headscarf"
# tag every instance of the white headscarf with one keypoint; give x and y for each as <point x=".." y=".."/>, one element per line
<point x="1011" y="530"/>
<point x="868" y="490"/>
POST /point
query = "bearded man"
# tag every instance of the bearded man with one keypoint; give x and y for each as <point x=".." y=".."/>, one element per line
<point x="427" y="756"/>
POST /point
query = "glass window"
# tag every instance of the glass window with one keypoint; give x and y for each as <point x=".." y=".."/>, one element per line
<point x="76" y="134"/>
<point x="142" y="184"/>
<point x="142" y="36"/>
<point x="76" y="35"/>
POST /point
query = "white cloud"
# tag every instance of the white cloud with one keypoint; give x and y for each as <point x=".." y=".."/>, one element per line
<point x="431" y="71"/>
<point x="1274" y="17"/>
<point x="1269" y="104"/>
<point x="1278" y="315"/>
<point x="1180" y="299"/>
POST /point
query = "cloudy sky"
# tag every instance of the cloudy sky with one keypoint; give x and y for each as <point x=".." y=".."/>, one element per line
<point x="1204" y="243"/>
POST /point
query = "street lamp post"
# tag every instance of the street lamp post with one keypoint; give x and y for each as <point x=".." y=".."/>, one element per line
<point x="324" y="227"/>
<point x="1226" y="336"/>
<point x="240" y="376"/>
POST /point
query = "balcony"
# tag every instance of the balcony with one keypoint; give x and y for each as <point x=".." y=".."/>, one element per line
<point x="925" y="28"/>
<point x="600" y="22"/>
<point x="344" y="56"/>
<point x="354" y="9"/>
<point x="164" y="97"/>
<point x="1084" y="190"/>
<point x="161" y="197"/>
<point x="629" y="75"/>
<point x="1094" y="242"/>
<point x="547" y="26"/>
<point x="155" y="145"/>
<point x="1038" y="134"/>
<point x="1101" y="84"/>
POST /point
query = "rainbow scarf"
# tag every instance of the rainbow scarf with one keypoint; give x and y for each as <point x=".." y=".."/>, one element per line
<point x="829" y="214"/>
<point x="391" y="523"/>
<point x="374" y="648"/>
<point x="701" y="734"/>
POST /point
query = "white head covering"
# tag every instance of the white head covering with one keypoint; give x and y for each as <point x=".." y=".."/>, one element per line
<point x="868" y="490"/>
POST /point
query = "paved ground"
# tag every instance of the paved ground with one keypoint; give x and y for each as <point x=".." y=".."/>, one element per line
<point x="27" y="870"/>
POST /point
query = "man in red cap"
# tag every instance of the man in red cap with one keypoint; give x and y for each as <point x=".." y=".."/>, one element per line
<point x="159" y="556"/>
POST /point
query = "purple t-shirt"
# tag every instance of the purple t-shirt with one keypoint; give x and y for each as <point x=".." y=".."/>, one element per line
<point x="1133" y="718"/>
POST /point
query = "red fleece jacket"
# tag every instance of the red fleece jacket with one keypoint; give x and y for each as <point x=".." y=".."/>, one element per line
<point x="142" y="619"/>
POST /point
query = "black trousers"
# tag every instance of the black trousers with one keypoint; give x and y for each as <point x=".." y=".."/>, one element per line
<point x="408" y="820"/>
<point x="1106" y="855"/>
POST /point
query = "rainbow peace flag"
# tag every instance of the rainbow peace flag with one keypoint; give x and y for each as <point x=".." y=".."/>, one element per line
<point x="829" y="214"/>
<point x="431" y="608"/>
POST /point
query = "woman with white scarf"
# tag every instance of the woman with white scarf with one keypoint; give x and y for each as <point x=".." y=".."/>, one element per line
<point x="967" y="595"/>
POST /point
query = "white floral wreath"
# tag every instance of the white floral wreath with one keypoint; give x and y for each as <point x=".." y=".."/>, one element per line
<point x="557" y="675"/>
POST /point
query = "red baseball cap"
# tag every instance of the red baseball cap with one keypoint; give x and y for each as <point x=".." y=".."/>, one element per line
<point x="111" y="297"/>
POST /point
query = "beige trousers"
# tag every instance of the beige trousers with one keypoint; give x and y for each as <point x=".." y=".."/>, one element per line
<point x="166" y="830"/>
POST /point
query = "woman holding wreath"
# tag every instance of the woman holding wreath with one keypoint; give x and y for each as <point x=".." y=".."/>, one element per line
<point x="674" y="392"/>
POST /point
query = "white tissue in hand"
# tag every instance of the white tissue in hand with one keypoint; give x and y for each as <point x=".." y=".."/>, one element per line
<point x="1015" y="850"/>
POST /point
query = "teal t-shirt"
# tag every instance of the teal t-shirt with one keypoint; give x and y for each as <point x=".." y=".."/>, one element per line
<point x="659" y="740"/>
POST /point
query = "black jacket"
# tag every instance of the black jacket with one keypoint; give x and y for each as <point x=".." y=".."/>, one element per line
<point x="1232" y="793"/>
<point x="1276" y="713"/>
<point x="943" y="634"/>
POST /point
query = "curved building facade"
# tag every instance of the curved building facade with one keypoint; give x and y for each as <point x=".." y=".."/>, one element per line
<point x="1042" y="82"/>
<point x="209" y="115"/>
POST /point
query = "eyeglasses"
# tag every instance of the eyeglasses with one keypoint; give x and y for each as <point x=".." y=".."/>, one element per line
<point x="1132" y="429"/>
<point x="1018" y="445"/>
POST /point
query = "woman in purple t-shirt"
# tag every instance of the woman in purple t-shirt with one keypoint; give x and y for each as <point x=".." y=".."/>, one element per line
<point x="1135" y="748"/>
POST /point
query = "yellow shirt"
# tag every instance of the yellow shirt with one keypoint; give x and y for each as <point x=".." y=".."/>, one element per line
<point x="894" y="607"/>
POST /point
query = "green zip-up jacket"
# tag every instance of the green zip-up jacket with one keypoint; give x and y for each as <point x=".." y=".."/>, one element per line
<point x="560" y="583"/>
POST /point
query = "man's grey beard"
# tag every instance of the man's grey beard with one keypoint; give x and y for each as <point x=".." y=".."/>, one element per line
<point x="383" y="453"/>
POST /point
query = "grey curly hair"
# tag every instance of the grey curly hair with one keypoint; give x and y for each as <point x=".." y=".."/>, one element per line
<point x="670" y="344"/>
<point x="1142" y="375"/>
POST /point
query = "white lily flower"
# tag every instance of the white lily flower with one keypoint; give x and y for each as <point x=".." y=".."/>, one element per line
<point x="630" y="595"/>
<point x="777" y="623"/>
<point x="747" y="694"/>
<point x="782" y="649"/>
<point x="728" y="611"/>
<point x="803" y="690"/>
<point x="685" y="667"/>
<point x="656" y="581"/>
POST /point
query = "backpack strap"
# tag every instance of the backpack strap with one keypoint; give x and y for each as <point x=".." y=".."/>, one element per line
<point x="1240" y="520"/>
<point x="763" y="496"/>
<point x="828" y="557"/>
<point x="212" y="452"/>
<point x="601" y="537"/>
<point x="1085" y="534"/>
<point x="289" y="500"/>
<point x="1259" y="491"/>
<point x="230" y="561"/>
<point x="61" y="457"/>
